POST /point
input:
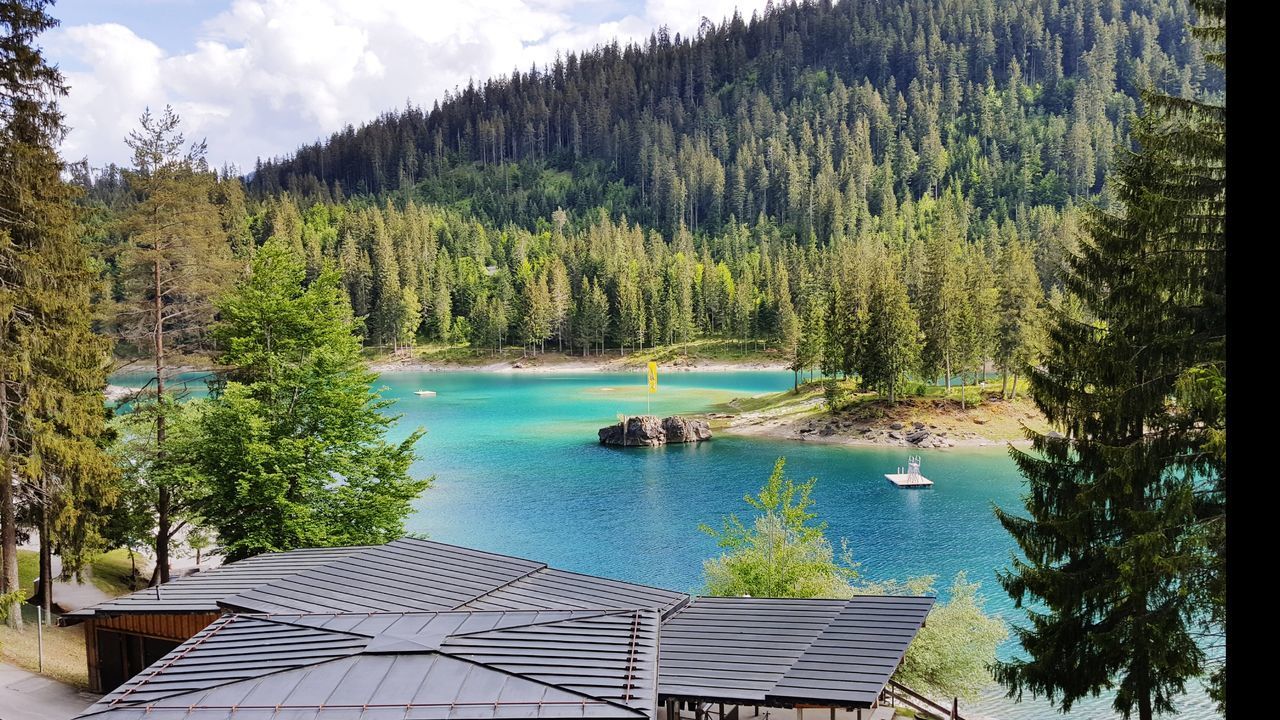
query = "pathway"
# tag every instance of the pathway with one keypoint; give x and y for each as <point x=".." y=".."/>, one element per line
<point x="27" y="696"/>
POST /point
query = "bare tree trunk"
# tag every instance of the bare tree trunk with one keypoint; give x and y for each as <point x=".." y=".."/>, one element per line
<point x="164" y="500"/>
<point x="1004" y="384"/>
<point x="948" y="370"/>
<point x="1014" y="396"/>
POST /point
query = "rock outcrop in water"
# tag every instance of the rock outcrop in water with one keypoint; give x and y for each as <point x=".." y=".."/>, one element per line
<point x="648" y="430"/>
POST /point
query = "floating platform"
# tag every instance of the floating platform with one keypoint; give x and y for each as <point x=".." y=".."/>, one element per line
<point x="907" y="480"/>
<point x="425" y="393"/>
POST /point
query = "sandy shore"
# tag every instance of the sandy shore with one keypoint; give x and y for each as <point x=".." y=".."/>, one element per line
<point x="556" y="363"/>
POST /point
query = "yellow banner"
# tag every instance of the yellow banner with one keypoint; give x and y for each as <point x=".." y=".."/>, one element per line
<point x="653" y="377"/>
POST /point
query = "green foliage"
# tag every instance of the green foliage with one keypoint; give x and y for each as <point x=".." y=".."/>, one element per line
<point x="148" y="474"/>
<point x="292" y="451"/>
<point x="952" y="654"/>
<point x="782" y="553"/>
<point x="1124" y="531"/>
<point x="52" y="365"/>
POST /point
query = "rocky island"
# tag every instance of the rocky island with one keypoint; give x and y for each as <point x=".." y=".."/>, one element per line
<point x="648" y="430"/>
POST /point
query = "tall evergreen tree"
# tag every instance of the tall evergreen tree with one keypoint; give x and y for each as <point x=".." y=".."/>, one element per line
<point x="1123" y="538"/>
<point x="52" y="366"/>
<point x="293" y="450"/>
<point x="1019" y="315"/>
<point x="177" y="260"/>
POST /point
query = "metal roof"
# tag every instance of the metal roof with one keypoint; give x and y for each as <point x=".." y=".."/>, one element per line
<point x="201" y="592"/>
<point x="782" y="652"/>
<point x="426" y="666"/>
<point x="549" y="588"/>
<point x="405" y="575"/>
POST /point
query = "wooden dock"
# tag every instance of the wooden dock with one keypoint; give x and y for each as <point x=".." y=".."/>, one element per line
<point x="907" y="480"/>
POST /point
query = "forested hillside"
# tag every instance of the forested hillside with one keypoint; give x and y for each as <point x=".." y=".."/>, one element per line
<point x="879" y="189"/>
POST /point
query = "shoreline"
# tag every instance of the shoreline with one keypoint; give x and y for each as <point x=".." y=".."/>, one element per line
<point x="916" y="423"/>
<point x="557" y="363"/>
<point x="776" y="432"/>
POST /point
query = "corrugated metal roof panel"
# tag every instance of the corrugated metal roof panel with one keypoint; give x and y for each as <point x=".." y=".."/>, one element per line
<point x="552" y="588"/>
<point x="854" y="657"/>
<point x="402" y="576"/>
<point x="202" y="591"/>
<point x="783" y="651"/>
<point x="529" y="664"/>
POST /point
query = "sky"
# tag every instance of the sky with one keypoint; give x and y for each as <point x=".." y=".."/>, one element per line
<point x="258" y="78"/>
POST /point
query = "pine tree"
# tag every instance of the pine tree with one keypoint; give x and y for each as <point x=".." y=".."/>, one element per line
<point x="1124" y="527"/>
<point x="177" y="261"/>
<point x="52" y="366"/>
<point x="293" y="451"/>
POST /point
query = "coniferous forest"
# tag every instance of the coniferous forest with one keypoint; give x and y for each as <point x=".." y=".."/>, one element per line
<point x="781" y="181"/>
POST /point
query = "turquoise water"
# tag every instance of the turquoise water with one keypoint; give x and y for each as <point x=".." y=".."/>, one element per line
<point x="518" y="470"/>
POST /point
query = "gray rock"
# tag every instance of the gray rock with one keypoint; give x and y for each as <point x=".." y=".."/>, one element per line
<point x="917" y="425"/>
<point x="895" y="435"/>
<point x="684" y="430"/>
<point x="649" y="431"/>
<point x="895" y="426"/>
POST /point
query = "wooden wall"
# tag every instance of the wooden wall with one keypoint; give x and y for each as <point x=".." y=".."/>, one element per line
<point x="177" y="628"/>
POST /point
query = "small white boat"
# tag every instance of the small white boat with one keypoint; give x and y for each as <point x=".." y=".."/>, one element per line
<point x="425" y="393"/>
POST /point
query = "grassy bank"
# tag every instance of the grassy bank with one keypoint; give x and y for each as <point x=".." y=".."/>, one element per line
<point x="64" y="653"/>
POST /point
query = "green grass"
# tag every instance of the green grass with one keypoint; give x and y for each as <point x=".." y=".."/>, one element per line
<point x="109" y="571"/>
<point x="112" y="571"/>
<point x="64" y="653"/>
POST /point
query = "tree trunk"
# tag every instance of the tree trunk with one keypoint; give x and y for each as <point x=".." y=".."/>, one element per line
<point x="44" y="593"/>
<point x="164" y="500"/>
<point x="1014" y="395"/>
<point x="948" y="371"/>
<point x="1004" y="384"/>
<point x="1144" y="706"/>
<point x="164" y="529"/>
<point x="8" y="516"/>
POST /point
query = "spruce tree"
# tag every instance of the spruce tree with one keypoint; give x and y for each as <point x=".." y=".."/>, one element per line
<point x="52" y="366"/>
<point x="1123" y="536"/>
<point x="1019" y="315"/>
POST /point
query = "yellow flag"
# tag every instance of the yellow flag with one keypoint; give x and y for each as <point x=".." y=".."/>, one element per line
<point x="653" y="377"/>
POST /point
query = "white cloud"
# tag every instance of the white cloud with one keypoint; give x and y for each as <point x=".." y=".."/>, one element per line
<point x="268" y="75"/>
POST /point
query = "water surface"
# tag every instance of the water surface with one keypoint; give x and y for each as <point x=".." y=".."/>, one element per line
<point x="518" y="470"/>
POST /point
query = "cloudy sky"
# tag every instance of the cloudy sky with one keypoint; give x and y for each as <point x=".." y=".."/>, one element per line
<point x="257" y="78"/>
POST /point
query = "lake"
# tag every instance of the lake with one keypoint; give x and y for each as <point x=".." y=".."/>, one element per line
<point x="518" y="470"/>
